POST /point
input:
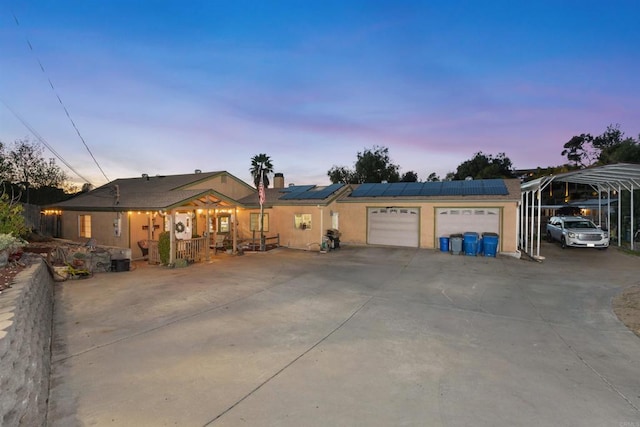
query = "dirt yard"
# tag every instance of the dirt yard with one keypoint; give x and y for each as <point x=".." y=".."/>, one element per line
<point x="626" y="305"/>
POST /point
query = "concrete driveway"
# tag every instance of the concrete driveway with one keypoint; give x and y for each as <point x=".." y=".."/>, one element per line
<point x="355" y="337"/>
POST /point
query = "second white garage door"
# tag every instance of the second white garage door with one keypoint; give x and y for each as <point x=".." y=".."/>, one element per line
<point x="460" y="220"/>
<point x="393" y="226"/>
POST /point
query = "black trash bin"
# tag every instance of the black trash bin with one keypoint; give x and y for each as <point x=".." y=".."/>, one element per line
<point x="119" y="265"/>
<point x="334" y="238"/>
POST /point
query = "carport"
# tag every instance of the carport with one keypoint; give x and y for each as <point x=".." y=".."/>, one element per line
<point x="604" y="180"/>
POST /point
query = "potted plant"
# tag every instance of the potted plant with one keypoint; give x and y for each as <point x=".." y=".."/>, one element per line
<point x="228" y="245"/>
<point x="79" y="259"/>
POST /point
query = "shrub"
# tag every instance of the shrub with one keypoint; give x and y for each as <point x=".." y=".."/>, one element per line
<point x="10" y="243"/>
<point x="11" y="219"/>
<point x="164" y="247"/>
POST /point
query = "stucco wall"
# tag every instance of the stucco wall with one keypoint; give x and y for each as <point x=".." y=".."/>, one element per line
<point x="26" y="313"/>
<point x="352" y="221"/>
<point x="101" y="228"/>
<point x="281" y="221"/>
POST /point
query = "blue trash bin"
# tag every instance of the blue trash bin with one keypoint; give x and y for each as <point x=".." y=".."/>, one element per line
<point x="480" y="247"/>
<point x="444" y="244"/>
<point x="470" y="243"/>
<point x="490" y="244"/>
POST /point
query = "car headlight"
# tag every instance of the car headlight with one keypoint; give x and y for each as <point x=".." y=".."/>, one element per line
<point x="605" y="235"/>
<point x="572" y="235"/>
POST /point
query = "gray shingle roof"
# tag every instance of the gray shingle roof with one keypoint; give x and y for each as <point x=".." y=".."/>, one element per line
<point x="143" y="193"/>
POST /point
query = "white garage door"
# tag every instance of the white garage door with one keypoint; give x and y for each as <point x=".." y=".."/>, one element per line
<point x="393" y="226"/>
<point x="460" y="220"/>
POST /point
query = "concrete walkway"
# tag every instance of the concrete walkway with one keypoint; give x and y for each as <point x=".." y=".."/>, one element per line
<point x="355" y="337"/>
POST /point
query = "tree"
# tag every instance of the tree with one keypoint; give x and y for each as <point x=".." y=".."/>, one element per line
<point x="433" y="177"/>
<point x="341" y="175"/>
<point x="5" y="165"/>
<point x="577" y="149"/>
<point x="485" y="166"/>
<point x="609" y="147"/>
<point x="410" y="176"/>
<point x="24" y="165"/>
<point x="607" y="143"/>
<point x="261" y="167"/>
<point x="372" y="165"/>
<point x="627" y="151"/>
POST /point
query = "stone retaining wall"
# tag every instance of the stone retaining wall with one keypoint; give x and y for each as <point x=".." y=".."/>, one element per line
<point x="26" y="315"/>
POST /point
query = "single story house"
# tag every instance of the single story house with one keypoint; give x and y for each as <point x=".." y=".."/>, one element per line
<point x="203" y="207"/>
<point x="403" y="214"/>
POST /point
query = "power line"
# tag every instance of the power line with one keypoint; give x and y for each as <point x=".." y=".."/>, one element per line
<point x="60" y="101"/>
<point x="44" y="142"/>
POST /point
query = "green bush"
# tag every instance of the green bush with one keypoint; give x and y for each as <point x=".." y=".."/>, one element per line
<point x="164" y="247"/>
<point x="11" y="219"/>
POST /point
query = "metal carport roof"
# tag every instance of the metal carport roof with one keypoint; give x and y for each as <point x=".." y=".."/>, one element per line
<point x="604" y="179"/>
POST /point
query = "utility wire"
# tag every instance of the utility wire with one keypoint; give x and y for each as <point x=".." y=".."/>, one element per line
<point x="60" y="100"/>
<point x="44" y="142"/>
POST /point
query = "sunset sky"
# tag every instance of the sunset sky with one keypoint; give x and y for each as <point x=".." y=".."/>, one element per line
<point x="167" y="87"/>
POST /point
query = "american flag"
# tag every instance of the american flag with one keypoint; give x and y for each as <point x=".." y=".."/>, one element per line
<point x="261" y="195"/>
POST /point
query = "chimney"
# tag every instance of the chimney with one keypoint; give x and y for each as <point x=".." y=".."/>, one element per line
<point x="278" y="180"/>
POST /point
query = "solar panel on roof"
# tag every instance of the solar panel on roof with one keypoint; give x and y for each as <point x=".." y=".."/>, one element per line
<point x="312" y="192"/>
<point x="395" y="189"/>
<point x="362" y="190"/>
<point x="377" y="190"/>
<point x="495" y="187"/>
<point x="412" y="189"/>
<point x="431" y="189"/>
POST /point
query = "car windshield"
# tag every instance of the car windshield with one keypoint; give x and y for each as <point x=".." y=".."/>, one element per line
<point x="579" y="224"/>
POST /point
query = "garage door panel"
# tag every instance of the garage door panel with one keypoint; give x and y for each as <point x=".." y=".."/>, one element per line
<point x="393" y="227"/>
<point x="460" y="220"/>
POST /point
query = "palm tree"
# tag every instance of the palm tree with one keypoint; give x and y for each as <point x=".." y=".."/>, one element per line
<point x="261" y="167"/>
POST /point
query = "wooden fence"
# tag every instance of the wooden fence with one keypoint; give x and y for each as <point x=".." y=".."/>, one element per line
<point x="195" y="250"/>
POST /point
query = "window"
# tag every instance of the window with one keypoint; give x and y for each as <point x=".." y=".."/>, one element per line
<point x="84" y="226"/>
<point x="224" y="224"/>
<point x="302" y="221"/>
<point x="254" y="222"/>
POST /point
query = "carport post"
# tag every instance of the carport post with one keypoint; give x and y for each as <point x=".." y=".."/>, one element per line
<point x="525" y="223"/>
<point x="599" y="206"/>
<point x="609" y="210"/>
<point x="533" y="217"/>
<point x="632" y="218"/>
<point x="539" y="216"/>
<point x="619" y="215"/>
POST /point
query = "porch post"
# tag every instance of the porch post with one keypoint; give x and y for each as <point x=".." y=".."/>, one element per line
<point x="172" y="238"/>
<point x="149" y="233"/>
<point x="234" y="229"/>
<point x="207" y="241"/>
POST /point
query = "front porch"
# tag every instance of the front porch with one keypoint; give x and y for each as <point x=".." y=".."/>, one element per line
<point x="201" y="249"/>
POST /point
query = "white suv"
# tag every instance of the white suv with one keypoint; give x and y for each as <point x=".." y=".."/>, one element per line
<point x="576" y="231"/>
